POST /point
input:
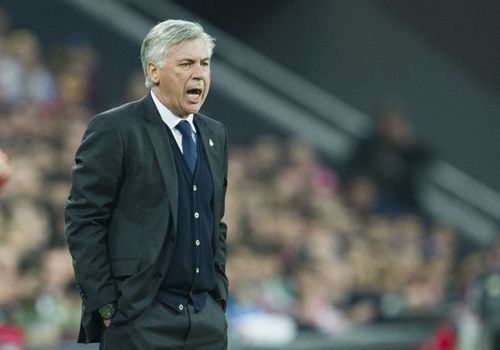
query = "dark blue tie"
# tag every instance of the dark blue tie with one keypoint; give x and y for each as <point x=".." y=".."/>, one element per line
<point x="188" y="145"/>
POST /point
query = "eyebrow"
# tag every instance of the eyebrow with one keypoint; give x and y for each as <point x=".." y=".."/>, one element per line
<point x="193" y="59"/>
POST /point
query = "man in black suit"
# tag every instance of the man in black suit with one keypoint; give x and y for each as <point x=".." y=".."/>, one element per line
<point x="144" y="214"/>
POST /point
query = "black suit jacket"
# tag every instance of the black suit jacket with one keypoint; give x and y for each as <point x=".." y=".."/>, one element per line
<point x="121" y="214"/>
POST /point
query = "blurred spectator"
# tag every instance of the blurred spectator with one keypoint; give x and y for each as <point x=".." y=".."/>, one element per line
<point x="4" y="56"/>
<point x="76" y="65"/>
<point x="53" y="312"/>
<point x="393" y="158"/>
<point x="135" y="88"/>
<point x="4" y="27"/>
<point x="11" y="336"/>
<point x="478" y="321"/>
<point x="5" y="169"/>
<point x="23" y="77"/>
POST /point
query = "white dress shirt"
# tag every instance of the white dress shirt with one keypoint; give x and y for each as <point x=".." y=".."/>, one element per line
<point x="171" y="120"/>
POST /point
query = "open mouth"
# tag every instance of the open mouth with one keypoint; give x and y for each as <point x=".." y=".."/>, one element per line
<point x="194" y="92"/>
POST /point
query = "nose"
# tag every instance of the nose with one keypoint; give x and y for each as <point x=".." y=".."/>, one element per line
<point x="200" y="70"/>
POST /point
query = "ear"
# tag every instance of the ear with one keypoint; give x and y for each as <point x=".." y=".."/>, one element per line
<point x="153" y="73"/>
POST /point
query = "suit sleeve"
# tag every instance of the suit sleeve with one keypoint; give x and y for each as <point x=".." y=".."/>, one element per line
<point x="96" y="179"/>
<point x="220" y="256"/>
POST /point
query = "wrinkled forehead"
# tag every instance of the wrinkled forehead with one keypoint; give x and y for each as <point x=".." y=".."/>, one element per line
<point x="192" y="48"/>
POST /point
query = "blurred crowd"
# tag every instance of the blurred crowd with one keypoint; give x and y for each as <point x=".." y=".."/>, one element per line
<point x="325" y="253"/>
<point x="46" y="101"/>
<point x="307" y="247"/>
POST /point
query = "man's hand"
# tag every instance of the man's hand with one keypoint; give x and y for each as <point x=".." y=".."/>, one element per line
<point x="107" y="311"/>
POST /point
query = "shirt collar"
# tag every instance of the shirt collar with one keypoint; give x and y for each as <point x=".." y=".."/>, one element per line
<point x="168" y="117"/>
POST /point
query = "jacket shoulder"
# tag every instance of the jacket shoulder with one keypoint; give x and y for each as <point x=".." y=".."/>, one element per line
<point x="118" y="115"/>
<point x="212" y="124"/>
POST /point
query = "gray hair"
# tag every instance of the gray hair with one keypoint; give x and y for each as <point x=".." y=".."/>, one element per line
<point x="167" y="34"/>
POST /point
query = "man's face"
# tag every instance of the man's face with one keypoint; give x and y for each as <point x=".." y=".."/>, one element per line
<point x="182" y="82"/>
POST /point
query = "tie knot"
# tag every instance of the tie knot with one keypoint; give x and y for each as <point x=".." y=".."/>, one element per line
<point x="185" y="128"/>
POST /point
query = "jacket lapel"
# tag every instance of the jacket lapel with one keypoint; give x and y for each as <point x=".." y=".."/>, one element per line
<point x="164" y="154"/>
<point x="163" y="151"/>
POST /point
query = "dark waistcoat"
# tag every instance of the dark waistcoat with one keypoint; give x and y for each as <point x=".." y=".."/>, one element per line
<point x="191" y="275"/>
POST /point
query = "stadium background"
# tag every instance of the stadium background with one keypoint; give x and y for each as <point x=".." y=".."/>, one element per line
<point x="364" y="163"/>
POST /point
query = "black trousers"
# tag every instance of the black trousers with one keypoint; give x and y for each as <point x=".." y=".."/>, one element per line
<point x="161" y="328"/>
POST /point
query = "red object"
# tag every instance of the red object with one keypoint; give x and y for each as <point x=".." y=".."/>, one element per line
<point x="11" y="335"/>
<point x="444" y="338"/>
